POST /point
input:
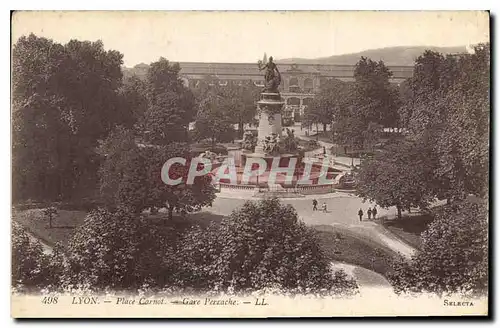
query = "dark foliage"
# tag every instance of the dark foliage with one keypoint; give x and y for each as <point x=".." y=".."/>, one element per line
<point x="453" y="257"/>
<point x="262" y="245"/>
<point x="121" y="251"/>
<point x="65" y="97"/>
<point x="32" y="270"/>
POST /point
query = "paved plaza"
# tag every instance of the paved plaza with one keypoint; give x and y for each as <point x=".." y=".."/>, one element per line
<point x="341" y="208"/>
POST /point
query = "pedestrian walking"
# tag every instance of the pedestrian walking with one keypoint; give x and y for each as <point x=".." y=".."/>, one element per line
<point x="374" y="212"/>
<point x="315" y="205"/>
<point x="360" y="213"/>
<point x="369" y="212"/>
<point x="324" y="207"/>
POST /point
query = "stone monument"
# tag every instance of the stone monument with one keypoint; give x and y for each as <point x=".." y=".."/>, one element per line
<point x="269" y="132"/>
<point x="269" y="109"/>
<point x="278" y="150"/>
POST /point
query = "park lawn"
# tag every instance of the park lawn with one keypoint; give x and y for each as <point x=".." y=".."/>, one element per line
<point x="409" y="227"/>
<point x="66" y="222"/>
<point x="62" y="226"/>
<point x="340" y="245"/>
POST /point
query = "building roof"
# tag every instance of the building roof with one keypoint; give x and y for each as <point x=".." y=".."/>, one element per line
<point x="250" y="70"/>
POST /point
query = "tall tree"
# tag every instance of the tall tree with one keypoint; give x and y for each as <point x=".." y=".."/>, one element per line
<point x="171" y="106"/>
<point x="213" y="123"/>
<point x="114" y="150"/>
<point x="329" y="104"/>
<point x="64" y="99"/>
<point x="398" y="177"/>
<point x="134" y="102"/>
<point x="243" y="98"/>
<point x="131" y="177"/>
<point x="447" y="108"/>
<point x="377" y="98"/>
<point x="357" y="108"/>
<point x="181" y="198"/>
<point x="236" y="102"/>
<point x="463" y="144"/>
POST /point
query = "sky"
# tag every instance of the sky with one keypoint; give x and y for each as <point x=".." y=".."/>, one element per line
<point x="234" y="37"/>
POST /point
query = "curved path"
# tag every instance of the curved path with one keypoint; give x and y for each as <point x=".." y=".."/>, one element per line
<point x="45" y="248"/>
<point x="366" y="279"/>
<point x="342" y="213"/>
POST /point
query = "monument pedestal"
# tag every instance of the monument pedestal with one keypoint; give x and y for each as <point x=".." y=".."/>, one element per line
<point x="269" y="110"/>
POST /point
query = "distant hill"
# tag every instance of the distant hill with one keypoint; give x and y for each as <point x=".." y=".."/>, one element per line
<point x="392" y="56"/>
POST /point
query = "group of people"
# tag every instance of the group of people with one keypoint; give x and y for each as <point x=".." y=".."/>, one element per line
<point x="315" y="206"/>
<point x="370" y="212"/>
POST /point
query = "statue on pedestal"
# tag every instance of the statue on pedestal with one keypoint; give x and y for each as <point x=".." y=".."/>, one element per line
<point x="272" y="76"/>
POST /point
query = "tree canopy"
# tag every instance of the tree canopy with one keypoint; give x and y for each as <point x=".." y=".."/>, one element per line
<point x="399" y="177"/>
<point x="262" y="245"/>
<point x="329" y="104"/>
<point x="222" y="106"/>
<point x="448" y="109"/>
<point x="359" y="109"/>
<point x="65" y="98"/>
<point x="453" y="257"/>
<point x="131" y="177"/>
<point x="445" y="154"/>
<point x="171" y="106"/>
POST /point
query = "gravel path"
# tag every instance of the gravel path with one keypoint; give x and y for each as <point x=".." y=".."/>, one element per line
<point x="342" y="210"/>
<point x="366" y="279"/>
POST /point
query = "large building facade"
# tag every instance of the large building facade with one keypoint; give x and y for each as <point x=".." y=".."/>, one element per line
<point x="299" y="82"/>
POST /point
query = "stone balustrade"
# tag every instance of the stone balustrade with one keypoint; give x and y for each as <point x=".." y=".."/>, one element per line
<point x="298" y="190"/>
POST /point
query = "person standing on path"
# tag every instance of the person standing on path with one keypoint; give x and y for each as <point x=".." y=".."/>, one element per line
<point x="324" y="207"/>
<point x="360" y="213"/>
<point x="374" y="212"/>
<point x="369" y="212"/>
<point x="315" y="205"/>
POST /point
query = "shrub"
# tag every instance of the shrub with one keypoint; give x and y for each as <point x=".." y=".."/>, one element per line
<point x="32" y="270"/>
<point x="262" y="245"/>
<point x="120" y="251"/>
<point x="313" y="144"/>
<point x="453" y="257"/>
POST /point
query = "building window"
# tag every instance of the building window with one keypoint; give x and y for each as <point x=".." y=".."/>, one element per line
<point x="293" y="82"/>
<point x="308" y="85"/>
<point x="296" y="115"/>
<point x="293" y="101"/>
<point x="306" y="101"/>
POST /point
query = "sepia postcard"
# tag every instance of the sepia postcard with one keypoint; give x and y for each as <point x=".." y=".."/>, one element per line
<point x="250" y="164"/>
